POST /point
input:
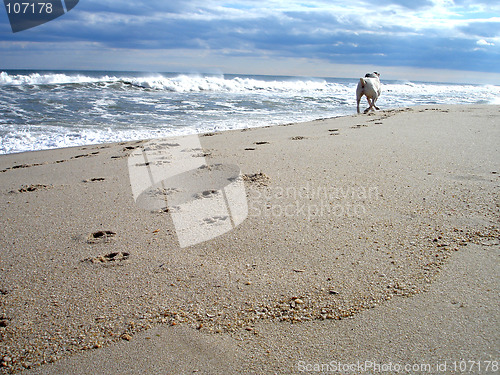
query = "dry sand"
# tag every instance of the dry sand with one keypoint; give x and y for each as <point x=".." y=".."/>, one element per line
<point x="346" y="217"/>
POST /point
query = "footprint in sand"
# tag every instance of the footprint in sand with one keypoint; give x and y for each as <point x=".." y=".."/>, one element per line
<point x="215" y="219"/>
<point x="20" y="166"/>
<point x="260" y="179"/>
<point x="85" y="155"/>
<point x="100" y="236"/>
<point x="298" y="138"/>
<point x="334" y="131"/>
<point x="109" y="258"/>
<point x="206" y="194"/>
<point x="94" y="179"/>
<point x="31" y="188"/>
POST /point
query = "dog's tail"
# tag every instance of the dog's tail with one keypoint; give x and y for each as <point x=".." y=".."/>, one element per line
<point x="363" y="82"/>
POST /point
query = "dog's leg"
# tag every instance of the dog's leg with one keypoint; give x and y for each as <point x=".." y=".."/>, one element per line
<point x="374" y="101"/>
<point x="370" y="103"/>
<point x="360" y="92"/>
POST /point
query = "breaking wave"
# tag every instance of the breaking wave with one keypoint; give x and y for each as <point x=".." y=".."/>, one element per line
<point x="41" y="110"/>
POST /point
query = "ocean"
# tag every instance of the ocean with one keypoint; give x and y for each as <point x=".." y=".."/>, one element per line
<point x="51" y="109"/>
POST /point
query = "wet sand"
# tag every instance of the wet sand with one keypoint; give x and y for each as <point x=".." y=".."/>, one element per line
<point x="370" y="238"/>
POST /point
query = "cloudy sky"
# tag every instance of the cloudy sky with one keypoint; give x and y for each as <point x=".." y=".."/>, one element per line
<point x="445" y="40"/>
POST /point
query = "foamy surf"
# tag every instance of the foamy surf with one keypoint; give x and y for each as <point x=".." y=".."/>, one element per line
<point x="43" y="110"/>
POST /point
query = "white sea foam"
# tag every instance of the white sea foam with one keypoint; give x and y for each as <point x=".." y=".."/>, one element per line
<point x="184" y="83"/>
<point x="41" y="110"/>
<point x="50" y="79"/>
<point x="180" y="83"/>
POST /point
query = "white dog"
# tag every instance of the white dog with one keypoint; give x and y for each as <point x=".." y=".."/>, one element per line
<point x="370" y="87"/>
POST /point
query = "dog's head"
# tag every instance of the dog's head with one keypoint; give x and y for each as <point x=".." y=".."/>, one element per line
<point x="372" y="75"/>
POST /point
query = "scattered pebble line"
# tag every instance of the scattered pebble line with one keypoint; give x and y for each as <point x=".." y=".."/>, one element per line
<point x="328" y="303"/>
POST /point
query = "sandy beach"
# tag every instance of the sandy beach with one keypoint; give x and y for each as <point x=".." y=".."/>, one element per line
<point x="368" y="239"/>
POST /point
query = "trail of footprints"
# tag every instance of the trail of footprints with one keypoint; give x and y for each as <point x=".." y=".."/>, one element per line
<point x="335" y="131"/>
<point x="126" y="149"/>
<point x="104" y="236"/>
<point x="101" y="237"/>
<point x="22" y="166"/>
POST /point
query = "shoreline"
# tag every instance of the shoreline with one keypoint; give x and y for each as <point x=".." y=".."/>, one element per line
<point x="406" y="191"/>
<point x="204" y="128"/>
